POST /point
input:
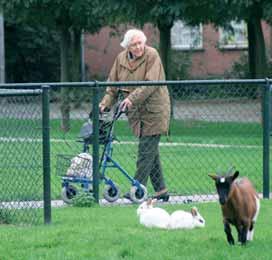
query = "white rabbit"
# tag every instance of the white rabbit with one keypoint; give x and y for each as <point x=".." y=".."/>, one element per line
<point x="184" y="219"/>
<point x="153" y="217"/>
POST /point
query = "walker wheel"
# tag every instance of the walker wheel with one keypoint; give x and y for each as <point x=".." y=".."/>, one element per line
<point x="111" y="193"/>
<point x="68" y="193"/>
<point x="138" y="194"/>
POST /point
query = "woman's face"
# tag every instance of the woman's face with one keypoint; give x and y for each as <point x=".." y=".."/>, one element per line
<point x="136" y="46"/>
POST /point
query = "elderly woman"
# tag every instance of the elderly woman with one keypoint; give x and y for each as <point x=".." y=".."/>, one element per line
<point x="148" y="107"/>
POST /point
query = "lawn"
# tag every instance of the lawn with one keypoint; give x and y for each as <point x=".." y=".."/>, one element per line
<point x="193" y="149"/>
<point x="114" y="233"/>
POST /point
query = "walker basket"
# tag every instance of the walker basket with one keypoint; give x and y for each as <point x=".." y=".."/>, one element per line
<point x="74" y="166"/>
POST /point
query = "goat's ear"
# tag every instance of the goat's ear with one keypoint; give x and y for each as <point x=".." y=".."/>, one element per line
<point x="213" y="176"/>
<point x="235" y="175"/>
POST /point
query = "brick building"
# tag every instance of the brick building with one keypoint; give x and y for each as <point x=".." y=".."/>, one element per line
<point x="211" y="51"/>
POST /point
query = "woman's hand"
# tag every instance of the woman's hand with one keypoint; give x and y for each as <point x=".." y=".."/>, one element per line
<point x="126" y="104"/>
<point x="102" y="108"/>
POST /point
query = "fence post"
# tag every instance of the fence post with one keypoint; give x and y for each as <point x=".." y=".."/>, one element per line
<point x="266" y="133"/>
<point x="46" y="154"/>
<point x="95" y="113"/>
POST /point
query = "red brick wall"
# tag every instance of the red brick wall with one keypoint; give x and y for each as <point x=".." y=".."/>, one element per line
<point x="213" y="61"/>
<point x="100" y="51"/>
<point x="102" y="48"/>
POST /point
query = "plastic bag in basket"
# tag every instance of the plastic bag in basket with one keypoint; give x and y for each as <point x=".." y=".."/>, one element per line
<point x="81" y="166"/>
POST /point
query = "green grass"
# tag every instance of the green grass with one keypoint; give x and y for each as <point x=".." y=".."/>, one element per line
<point x="114" y="233"/>
<point x="191" y="152"/>
<point x="189" y="130"/>
<point x="182" y="131"/>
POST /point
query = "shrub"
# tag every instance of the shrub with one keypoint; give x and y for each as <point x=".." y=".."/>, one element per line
<point x="83" y="199"/>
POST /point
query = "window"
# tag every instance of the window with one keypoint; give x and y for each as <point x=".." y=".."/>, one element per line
<point x="186" y="37"/>
<point x="235" y="36"/>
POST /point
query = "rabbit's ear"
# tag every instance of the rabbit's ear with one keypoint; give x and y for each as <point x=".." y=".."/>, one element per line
<point x="194" y="211"/>
<point x="153" y="201"/>
<point x="149" y="202"/>
<point x="142" y="205"/>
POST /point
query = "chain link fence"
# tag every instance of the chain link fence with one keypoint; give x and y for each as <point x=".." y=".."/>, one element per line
<point x="214" y="126"/>
<point x="21" y="157"/>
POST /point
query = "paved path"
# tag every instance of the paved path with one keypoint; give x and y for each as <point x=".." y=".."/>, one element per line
<point x="208" y="110"/>
<point x="218" y="111"/>
<point x="175" y="199"/>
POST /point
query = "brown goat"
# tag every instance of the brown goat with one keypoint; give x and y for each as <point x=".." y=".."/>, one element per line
<point x="240" y="205"/>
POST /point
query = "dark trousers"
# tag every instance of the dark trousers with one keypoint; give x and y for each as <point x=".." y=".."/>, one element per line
<point x="148" y="163"/>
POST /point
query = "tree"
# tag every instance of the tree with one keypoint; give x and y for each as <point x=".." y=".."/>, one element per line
<point x="252" y="11"/>
<point x="221" y="12"/>
<point x="163" y="13"/>
<point x="68" y="18"/>
<point x="31" y="53"/>
<point x="2" y="47"/>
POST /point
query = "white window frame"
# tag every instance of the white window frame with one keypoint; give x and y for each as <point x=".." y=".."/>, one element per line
<point x="236" y="39"/>
<point x="186" y="37"/>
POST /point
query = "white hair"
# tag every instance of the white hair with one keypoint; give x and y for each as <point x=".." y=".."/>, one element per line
<point x="130" y="34"/>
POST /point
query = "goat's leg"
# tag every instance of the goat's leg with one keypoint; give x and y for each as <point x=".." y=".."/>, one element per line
<point x="242" y="234"/>
<point x="244" y="231"/>
<point x="250" y="232"/>
<point x="227" y="230"/>
<point x="239" y="234"/>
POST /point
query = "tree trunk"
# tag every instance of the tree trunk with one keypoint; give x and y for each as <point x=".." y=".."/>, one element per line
<point x="65" y="92"/>
<point x="76" y="66"/>
<point x="257" y="54"/>
<point x="76" y="55"/>
<point x="2" y="47"/>
<point x="165" y="45"/>
<point x="256" y="49"/>
<point x="165" y="50"/>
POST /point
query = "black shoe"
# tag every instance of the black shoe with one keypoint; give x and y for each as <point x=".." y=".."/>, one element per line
<point x="164" y="196"/>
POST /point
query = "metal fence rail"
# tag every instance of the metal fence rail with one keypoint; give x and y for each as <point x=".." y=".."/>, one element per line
<point x="215" y="124"/>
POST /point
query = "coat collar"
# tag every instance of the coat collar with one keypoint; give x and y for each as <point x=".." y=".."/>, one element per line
<point x="125" y="63"/>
